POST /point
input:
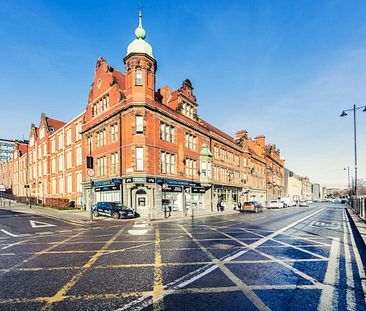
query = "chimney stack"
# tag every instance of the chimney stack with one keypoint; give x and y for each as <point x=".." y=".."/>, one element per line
<point x="261" y="140"/>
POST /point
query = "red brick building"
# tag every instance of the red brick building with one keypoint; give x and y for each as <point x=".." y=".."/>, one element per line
<point x="150" y="147"/>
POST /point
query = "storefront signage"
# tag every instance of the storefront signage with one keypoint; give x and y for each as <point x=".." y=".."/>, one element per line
<point x="107" y="188"/>
<point x="198" y="190"/>
<point x="175" y="182"/>
<point x="173" y="189"/>
<point x="103" y="183"/>
<point x="140" y="180"/>
<point x="117" y="181"/>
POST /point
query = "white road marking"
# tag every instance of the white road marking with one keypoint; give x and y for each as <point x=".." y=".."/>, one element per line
<point x="351" y="299"/>
<point x="10" y="245"/>
<point x="254" y="299"/>
<point x="138" y="229"/>
<point x="289" y="245"/>
<point x="328" y="298"/>
<point x="40" y="224"/>
<point x="8" y="233"/>
<point x="361" y="268"/>
<point x="147" y="300"/>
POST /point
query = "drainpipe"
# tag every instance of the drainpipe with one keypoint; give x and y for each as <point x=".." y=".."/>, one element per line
<point x="120" y="154"/>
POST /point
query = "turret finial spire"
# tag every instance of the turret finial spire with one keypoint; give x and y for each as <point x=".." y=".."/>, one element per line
<point x="140" y="32"/>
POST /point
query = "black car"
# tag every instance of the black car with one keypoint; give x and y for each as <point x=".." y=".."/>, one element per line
<point x="113" y="209"/>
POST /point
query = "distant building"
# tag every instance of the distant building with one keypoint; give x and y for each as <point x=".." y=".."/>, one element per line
<point x="306" y="193"/>
<point x="6" y="149"/>
<point x="316" y="191"/>
<point x="292" y="185"/>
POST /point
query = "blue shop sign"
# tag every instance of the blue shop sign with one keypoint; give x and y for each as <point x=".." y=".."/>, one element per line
<point x="117" y="181"/>
<point x="175" y="182"/>
<point x="103" y="183"/>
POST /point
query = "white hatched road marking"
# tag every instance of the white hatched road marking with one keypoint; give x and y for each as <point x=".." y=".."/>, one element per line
<point x="40" y="224"/>
<point x="8" y="233"/>
<point x="360" y="266"/>
<point x="351" y="299"/>
<point x="328" y="297"/>
<point x="146" y="300"/>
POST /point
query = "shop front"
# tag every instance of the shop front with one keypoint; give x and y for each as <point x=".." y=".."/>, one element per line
<point x="108" y="190"/>
<point x="258" y="195"/>
<point x="227" y="194"/>
<point x="181" y="197"/>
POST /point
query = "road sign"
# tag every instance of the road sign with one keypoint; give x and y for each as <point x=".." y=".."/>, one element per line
<point x="90" y="172"/>
<point x="2" y="188"/>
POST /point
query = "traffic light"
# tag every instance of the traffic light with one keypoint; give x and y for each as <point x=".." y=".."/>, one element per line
<point x="89" y="162"/>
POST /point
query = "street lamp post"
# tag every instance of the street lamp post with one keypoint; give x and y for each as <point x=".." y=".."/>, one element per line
<point x="343" y="114"/>
<point x="349" y="184"/>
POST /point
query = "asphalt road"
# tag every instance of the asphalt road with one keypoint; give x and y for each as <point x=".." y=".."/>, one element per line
<point x="292" y="259"/>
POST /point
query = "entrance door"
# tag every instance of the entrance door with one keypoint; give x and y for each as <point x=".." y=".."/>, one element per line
<point x="141" y="203"/>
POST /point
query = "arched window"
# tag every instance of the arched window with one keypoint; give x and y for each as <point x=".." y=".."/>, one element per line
<point x="138" y="78"/>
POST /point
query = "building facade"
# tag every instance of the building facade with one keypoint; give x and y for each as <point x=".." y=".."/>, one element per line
<point x="275" y="171"/>
<point x="305" y="189"/>
<point x="293" y="186"/>
<point x="256" y="164"/>
<point x="316" y="191"/>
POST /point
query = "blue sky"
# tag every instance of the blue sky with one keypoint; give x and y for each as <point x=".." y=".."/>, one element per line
<point x="285" y="69"/>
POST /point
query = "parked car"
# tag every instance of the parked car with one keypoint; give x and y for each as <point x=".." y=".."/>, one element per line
<point x="252" y="206"/>
<point x="113" y="209"/>
<point x="303" y="204"/>
<point x="309" y="201"/>
<point x="275" y="204"/>
<point x="287" y="202"/>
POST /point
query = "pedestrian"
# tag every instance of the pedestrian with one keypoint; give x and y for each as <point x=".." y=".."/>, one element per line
<point x="222" y="206"/>
<point x="239" y="206"/>
<point x="218" y="206"/>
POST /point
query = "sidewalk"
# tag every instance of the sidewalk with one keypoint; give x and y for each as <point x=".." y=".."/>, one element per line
<point x="359" y="223"/>
<point x="83" y="217"/>
<point x="73" y="216"/>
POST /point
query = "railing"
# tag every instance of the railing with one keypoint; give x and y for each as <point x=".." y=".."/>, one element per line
<point x="359" y="207"/>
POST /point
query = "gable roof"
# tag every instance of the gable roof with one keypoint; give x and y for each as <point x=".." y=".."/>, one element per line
<point x="56" y="124"/>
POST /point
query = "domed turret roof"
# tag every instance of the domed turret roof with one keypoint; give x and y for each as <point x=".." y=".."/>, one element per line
<point x="139" y="45"/>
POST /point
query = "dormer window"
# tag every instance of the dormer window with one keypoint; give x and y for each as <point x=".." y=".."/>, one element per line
<point x="188" y="110"/>
<point x="138" y="78"/>
<point x="100" y="106"/>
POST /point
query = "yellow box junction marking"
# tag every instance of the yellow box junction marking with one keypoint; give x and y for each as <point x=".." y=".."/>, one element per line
<point x="158" y="276"/>
<point x="61" y="294"/>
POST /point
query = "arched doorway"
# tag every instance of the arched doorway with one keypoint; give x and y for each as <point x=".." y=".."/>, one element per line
<point x="141" y="202"/>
